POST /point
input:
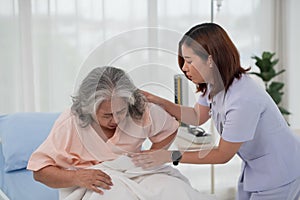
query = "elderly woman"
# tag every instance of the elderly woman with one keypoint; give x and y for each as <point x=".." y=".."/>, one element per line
<point x="109" y="118"/>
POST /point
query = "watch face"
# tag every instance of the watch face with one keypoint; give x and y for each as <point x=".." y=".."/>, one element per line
<point x="176" y="156"/>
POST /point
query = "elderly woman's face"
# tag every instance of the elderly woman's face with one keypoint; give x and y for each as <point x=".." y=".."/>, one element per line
<point x="111" y="112"/>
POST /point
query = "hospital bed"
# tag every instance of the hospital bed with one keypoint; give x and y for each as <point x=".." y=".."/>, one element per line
<point x="21" y="134"/>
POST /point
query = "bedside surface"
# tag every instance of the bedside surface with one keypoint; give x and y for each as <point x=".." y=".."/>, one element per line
<point x="187" y="141"/>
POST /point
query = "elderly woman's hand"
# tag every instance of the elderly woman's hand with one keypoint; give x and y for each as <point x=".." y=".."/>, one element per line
<point x="92" y="179"/>
<point x="151" y="158"/>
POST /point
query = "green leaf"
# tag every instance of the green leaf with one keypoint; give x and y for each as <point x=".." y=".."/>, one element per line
<point x="256" y="58"/>
<point x="265" y="65"/>
<point x="267" y="55"/>
<point x="257" y="74"/>
<point x="280" y="72"/>
<point x="276" y="96"/>
<point x="276" y="86"/>
<point x="267" y="76"/>
<point x="274" y="62"/>
<point x="267" y="72"/>
<point x="283" y="111"/>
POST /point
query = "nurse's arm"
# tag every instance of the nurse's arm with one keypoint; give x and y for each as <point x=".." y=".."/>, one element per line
<point x="164" y="144"/>
<point x="218" y="155"/>
<point x="196" y="115"/>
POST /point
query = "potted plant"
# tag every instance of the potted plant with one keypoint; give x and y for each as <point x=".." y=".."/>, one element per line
<point x="267" y="72"/>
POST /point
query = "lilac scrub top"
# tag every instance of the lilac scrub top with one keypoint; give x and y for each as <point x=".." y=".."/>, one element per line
<point x="270" y="150"/>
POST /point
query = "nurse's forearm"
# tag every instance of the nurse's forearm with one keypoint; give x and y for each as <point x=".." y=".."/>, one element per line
<point x="164" y="144"/>
<point x="172" y="108"/>
<point x="204" y="157"/>
<point x="218" y="155"/>
<point x="190" y="115"/>
<point x="187" y="115"/>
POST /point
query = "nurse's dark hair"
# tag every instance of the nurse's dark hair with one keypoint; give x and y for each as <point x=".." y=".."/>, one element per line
<point x="211" y="39"/>
<point x="103" y="83"/>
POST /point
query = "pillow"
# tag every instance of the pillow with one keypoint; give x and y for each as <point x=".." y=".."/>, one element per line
<point x="21" y="134"/>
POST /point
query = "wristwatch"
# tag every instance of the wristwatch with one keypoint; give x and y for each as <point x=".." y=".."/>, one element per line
<point x="176" y="157"/>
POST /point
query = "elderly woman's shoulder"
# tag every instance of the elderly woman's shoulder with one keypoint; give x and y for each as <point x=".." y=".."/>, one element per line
<point x="156" y="110"/>
<point x="66" y="117"/>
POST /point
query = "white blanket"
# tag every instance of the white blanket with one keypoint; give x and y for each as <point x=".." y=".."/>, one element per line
<point x="132" y="183"/>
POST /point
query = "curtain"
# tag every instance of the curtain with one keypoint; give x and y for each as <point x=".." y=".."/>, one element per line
<point x="45" y="43"/>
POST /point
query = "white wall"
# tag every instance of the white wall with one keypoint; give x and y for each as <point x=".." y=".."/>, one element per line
<point x="292" y="45"/>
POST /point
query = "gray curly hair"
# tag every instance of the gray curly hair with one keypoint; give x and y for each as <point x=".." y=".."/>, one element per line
<point x="102" y="83"/>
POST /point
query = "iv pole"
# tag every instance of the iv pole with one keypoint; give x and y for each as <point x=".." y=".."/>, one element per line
<point x="212" y="167"/>
<point x="211" y="11"/>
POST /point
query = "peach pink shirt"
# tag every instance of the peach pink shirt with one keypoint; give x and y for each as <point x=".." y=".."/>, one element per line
<point x="71" y="146"/>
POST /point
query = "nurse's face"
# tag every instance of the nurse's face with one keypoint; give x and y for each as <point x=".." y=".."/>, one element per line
<point x="196" y="69"/>
<point x="111" y="112"/>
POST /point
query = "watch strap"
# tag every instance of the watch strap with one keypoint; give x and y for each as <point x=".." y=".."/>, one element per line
<point x="176" y="157"/>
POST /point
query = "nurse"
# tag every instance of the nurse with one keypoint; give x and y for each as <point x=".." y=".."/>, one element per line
<point x="247" y="119"/>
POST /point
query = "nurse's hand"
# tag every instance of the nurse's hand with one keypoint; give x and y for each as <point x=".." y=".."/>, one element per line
<point x="151" y="158"/>
<point x="151" y="97"/>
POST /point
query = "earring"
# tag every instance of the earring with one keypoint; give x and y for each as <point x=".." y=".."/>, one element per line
<point x="210" y="61"/>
